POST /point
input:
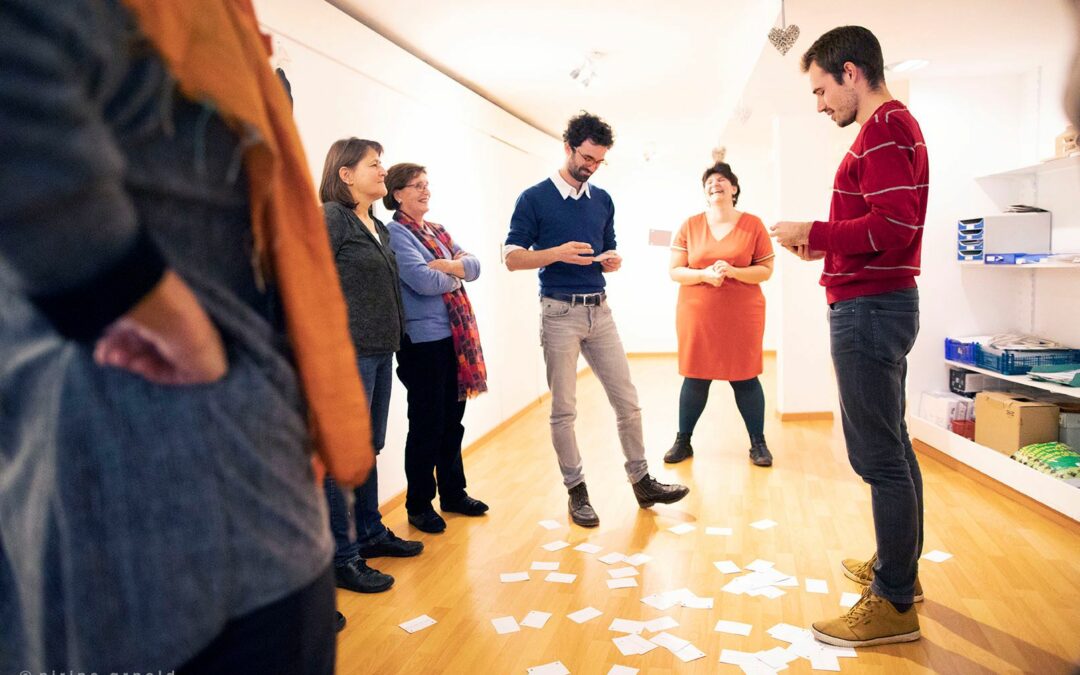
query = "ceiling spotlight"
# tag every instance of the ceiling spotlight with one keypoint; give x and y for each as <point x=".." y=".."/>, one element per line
<point x="907" y="66"/>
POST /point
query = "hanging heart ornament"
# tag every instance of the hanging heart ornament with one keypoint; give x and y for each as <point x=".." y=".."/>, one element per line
<point x="784" y="38"/>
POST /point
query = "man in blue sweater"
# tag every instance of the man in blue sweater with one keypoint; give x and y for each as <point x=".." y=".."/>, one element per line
<point x="558" y="227"/>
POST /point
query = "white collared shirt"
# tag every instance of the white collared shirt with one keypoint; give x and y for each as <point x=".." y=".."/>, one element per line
<point x="567" y="190"/>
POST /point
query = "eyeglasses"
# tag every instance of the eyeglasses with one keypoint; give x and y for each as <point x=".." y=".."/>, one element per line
<point x="419" y="187"/>
<point x="590" y="161"/>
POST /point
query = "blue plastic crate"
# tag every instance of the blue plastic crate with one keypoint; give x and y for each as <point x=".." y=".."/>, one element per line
<point x="1019" y="362"/>
<point x="961" y="352"/>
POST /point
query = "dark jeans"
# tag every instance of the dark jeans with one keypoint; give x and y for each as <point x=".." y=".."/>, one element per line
<point x="377" y="375"/>
<point x="871" y="337"/>
<point x="429" y="372"/>
<point x="749" y="397"/>
<point x="293" y="636"/>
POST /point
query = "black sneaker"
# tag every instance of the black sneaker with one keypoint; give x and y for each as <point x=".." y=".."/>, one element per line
<point x="427" y="521"/>
<point x="358" y="577"/>
<point x="581" y="511"/>
<point x="466" y="506"/>
<point x="759" y="453"/>
<point x="392" y="546"/>
<point x="680" y="451"/>
<point x="339" y="622"/>
<point x="649" y="491"/>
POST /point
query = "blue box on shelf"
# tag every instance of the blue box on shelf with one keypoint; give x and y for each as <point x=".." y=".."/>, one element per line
<point x="1020" y="361"/>
<point x="961" y="352"/>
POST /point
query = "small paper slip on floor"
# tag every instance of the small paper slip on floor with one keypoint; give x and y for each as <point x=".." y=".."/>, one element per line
<point x="817" y="586"/>
<point x="623" y="572"/>
<point x="583" y="615"/>
<point x="735" y="657"/>
<point x="727" y="566"/>
<point x="535" y="619"/>
<point x="776" y="658"/>
<point x="718" y="531"/>
<point x="627" y="626"/>
<point x="822" y="661"/>
<point x="682" y="529"/>
<point x="550" y="524"/>
<point x="505" y="624"/>
<point x="937" y="556"/>
<point x="544" y="566"/>
<point x="622" y="583"/>
<point x="511" y="577"/>
<point x="660" y="623"/>
<point x="560" y="577"/>
<point x="555" y="546"/>
<point x="553" y="668"/>
<point x="771" y="592"/>
<point x="659" y="601"/>
<point x="669" y="641"/>
<point x="689" y="653"/>
<point x="787" y="632"/>
<point x="419" y="623"/>
<point x="699" y="603"/>
<point x="839" y="652"/>
<point x="763" y="524"/>
<point x="612" y="558"/>
<point x="638" y="559"/>
<point x="632" y="644"/>
<point x="588" y="548"/>
<point x="849" y="599"/>
<point x="622" y="670"/>
<point x="733" y="627"/>
<point x="760" y="565"/>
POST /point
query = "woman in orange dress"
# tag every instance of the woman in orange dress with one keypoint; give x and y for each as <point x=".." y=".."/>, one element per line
<point x="719" y="258"/>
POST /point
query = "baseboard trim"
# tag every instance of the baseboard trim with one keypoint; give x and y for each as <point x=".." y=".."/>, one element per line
<point x="823" y="416"/>
<point x="649" y="355"/>
<point x="998" y="487"/>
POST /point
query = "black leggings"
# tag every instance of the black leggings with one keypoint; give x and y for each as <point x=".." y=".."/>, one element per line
<point x="748" y="396"/>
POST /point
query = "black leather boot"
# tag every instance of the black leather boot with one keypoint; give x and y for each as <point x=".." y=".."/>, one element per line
<point x="680" y="451"/>
<point x="649" y="491"/>
<point x="581" y="511"/>
<point x="759" y="453"/>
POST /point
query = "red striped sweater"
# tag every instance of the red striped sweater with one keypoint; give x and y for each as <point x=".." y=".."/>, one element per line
<point x="873" y="238"/>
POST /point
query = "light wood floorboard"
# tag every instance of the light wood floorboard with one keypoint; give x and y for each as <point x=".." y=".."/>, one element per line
<point x="1008" y="601"/>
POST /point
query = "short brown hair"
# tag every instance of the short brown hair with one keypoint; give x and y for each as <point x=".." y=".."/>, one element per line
<point x="847" y="43"/>
<point x="398" y="177"/>
<point x="345" y="152"/>
<point x="724" y="169"/>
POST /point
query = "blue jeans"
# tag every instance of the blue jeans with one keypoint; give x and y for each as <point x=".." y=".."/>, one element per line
<point x="377" y="373"/>
<point x="871" y="337"/>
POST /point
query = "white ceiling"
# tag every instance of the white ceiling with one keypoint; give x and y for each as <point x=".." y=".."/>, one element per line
<point x="673" y="72"/>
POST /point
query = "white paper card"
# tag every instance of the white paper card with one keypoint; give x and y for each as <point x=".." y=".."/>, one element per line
<point x="583" y="615"/>
<point x="621" y="583"/>
<point x="771" y="592"/>
<point x="689" y="653"/>
<point x="760" y="565"/>
<point x="684" y="528"/>
<point x="735" y="657"/>
<point x="787" y="632"/>
<point x="622" y="670"/>
<point x="661" y="623"/>
<point x="419" y="623"/>
<point x="824" y="661"/>
<point x="727" y="566"/>
<point x="553" y="668"/>
<point x="544" y="566"/>
<point x="535" y="619"/>
<point x="776" y="658"/>
<point x="839" y="652"/>
<point x="555" y="546"/>
<point x="733" y="627"/>
<point x="511" y="577"/>
<point x="669" y="642"/>
<point x="627" y="626"/>
<point x="623" y="572"/>
<point x="659" y="601"/>
<point x="612" y="558"/>
<point x="849" y="599"/>
<point x="638" y="559"/>
<point x="633" y="644"/>
<point x="699" y="603"/>
<point x="550" y="524"/>
<point x="937" y="556"/>
<point x="817" y="586"/>
<point x="505" y="624"/>
<point x="718" y="531"/>
<point x="560" y="577"/>
<point x="588" y="548"/>
<point x="763" y="524"/>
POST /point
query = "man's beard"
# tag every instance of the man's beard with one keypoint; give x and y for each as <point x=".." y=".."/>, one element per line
<point x="578" y="174"/>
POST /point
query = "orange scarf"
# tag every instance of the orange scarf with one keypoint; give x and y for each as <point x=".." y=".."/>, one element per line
<point x="216" y="53"/>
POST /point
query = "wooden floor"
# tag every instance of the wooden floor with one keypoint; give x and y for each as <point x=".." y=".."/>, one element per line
<point x="1008" y="601"/>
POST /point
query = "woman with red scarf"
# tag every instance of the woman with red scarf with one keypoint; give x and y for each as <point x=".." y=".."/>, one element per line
<point x="440" y="363"/>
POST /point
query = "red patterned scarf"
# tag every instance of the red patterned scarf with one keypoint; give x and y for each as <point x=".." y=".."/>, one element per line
<point x="472" y="372"/>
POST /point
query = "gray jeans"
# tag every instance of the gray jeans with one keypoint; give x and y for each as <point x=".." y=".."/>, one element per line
<point x="565" y="332"/>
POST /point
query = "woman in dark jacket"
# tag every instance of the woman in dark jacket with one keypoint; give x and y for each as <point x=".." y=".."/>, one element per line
<point x="352" y="180"/>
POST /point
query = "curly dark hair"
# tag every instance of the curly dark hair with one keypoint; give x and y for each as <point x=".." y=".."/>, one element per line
<point x="847" y="43"/>
<point x="588" y="127"/>
<point x="724" y="169"/>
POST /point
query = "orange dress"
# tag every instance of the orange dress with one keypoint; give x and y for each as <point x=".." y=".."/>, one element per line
<point x="720" y="328"/>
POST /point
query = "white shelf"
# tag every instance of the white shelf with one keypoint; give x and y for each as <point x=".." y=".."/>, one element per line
<point x="1072" y="392"/>
<point x="1053" y="492"/>
<point x="1049" y="166"/>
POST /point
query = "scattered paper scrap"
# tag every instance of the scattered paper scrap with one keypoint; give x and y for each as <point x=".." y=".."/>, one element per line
<point x="733" y="627"/>
<point x="560" y="577"/>
<point x="505" y="624"/>
<point x="535" y="619"/>
<point x="588" y="548"/>
<point x="622" y="670"/>
<point x="659" y="601"/>
<point x="683" y="528"/>
<point x="419" y="623"/>
<point x="623" y="572"/>
<point x="763" y="524"/>
<point x="718" y="531"/>
<point x="629" y="582"/>
<point x="632" y="644"/>
<point x="660" y="623"/>
<point x="550" y="524"/>
<point x="849" y="599"/>
<point x="776" y="658"/>
<point x="824" y="661"/>
<point x="760" y="565"/>
<point x="817" y="586"/>
<point x="555" y="546"/>
<point x="612" y="558"/>
<point x="553" y="668"/>
<point x="627" y="626"/>
<point x="544" y="566"/>
<point x="771" y="592"/>
<point x="583" y="615"/>
<point x="727" y="566"/>
<point x="638" y="559"/>
<point x="937" y="556"/>
<point x="689" y="653"/>
<point x="699" y="603"/>
<point x="788" y="633"/>
<point x="511" y="577"/>
<point x="669" y="641"/>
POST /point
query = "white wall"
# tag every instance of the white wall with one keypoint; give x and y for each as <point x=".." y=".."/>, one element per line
<point x="348" y="81"/>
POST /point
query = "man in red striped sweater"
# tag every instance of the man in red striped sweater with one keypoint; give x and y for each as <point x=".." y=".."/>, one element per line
<point x="871" y="245"/>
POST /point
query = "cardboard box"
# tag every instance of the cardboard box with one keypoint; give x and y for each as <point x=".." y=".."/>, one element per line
<point x="1007" y="422"/>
